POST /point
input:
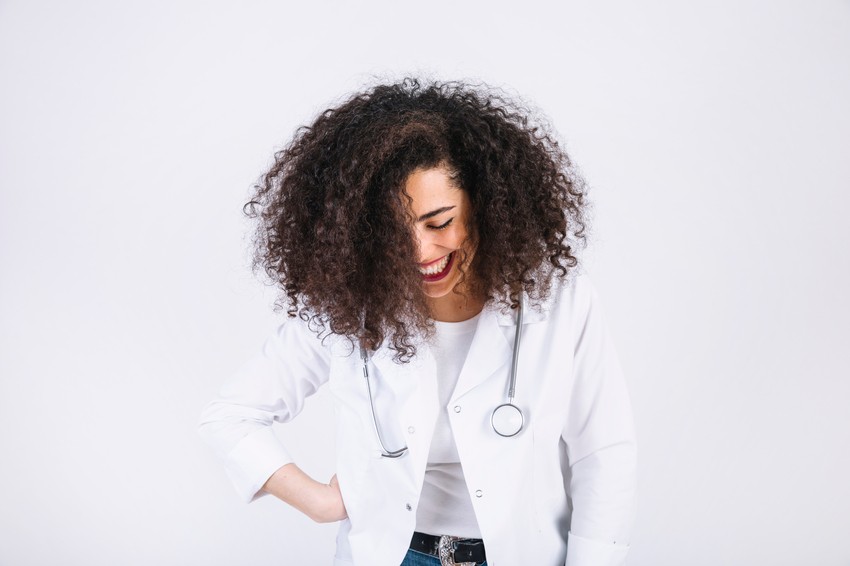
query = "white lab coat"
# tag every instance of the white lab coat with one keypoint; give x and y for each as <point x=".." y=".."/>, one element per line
<point x="563" y="491"/>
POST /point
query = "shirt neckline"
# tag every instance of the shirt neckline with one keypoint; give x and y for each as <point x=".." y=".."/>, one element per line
<point x="462" y="327"/>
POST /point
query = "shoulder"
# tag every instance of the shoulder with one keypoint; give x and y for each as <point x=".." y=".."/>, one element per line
<point x="569" y="299"/>
<point x="572" y="296"/>
<point x="310" y="334"/>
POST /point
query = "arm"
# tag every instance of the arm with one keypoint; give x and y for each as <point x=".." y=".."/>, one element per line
<point x="601" y="444"/>
<point x="321" y="502"/>
<point x="271" y="386"/>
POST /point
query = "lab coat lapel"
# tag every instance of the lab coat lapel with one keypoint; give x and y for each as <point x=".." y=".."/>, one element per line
<point x="400" y="377"/>
<point x="489" y="352"/>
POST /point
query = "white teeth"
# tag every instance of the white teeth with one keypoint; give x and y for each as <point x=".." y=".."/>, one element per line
<point x="435" y="268"/>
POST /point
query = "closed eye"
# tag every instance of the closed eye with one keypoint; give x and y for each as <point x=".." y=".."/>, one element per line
<point x="442" y="226"/>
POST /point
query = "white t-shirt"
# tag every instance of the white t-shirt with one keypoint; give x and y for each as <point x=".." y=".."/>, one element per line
<point x="445" y="507"/>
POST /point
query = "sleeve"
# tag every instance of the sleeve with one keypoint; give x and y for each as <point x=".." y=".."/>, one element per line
<point x="271" y="386"/>
<point x="601" y="444"/>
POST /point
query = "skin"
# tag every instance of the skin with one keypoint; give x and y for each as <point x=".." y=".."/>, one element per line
<point x="319" y="501"/>
<point x="431" y="190"/>
<point x="438" y="235"/>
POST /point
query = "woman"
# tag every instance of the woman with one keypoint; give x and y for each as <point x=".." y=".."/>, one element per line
<point x="423" y="236"/>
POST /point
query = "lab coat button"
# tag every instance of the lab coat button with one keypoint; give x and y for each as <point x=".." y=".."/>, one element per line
<point x="457" y="408"/>
<point x="408" y="506"/>
<point x="411" y="430"/>
<point x="479" y="493"/>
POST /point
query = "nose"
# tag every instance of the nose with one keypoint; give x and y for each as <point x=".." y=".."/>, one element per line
<point x="428" y="247"/>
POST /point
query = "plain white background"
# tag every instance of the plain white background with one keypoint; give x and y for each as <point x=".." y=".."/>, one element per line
<point x="714" y="137"/>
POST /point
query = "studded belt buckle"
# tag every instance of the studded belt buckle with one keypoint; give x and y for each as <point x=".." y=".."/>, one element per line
<point x="446" y="549"/>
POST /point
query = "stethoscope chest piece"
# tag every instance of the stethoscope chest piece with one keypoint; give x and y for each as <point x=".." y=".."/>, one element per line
<point x="507" y="420"/>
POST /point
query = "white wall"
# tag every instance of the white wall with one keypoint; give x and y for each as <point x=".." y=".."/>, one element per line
<point x="715" y="137"/>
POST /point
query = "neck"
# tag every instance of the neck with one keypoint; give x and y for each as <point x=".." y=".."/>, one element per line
<point x="455" y="307"/>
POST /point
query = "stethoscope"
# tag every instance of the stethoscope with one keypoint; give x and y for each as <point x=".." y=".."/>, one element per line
<point x="507" y="419"/>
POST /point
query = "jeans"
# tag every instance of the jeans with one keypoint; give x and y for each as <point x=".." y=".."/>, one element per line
<point x="414" y="558"/>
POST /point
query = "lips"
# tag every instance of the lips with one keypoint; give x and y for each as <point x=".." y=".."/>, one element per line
<point x="446" y="268"/>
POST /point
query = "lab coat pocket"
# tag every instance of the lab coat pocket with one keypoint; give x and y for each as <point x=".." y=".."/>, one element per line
<point x="551" y="508"/>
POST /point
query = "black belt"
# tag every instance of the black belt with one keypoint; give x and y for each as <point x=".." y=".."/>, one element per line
<point x="465" y="549"/>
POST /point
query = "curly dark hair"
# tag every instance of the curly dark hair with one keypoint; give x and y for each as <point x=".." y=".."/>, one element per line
<point x="335" y="233"/>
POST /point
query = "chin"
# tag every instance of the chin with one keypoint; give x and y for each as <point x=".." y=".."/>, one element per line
<point x="441" y="290"/>
<point x="436" y="294"/>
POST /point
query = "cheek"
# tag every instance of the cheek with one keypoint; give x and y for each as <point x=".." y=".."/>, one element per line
<point x="457" y="237"/>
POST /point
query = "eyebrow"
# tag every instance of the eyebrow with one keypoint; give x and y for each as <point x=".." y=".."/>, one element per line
<point x="434" y="213"/>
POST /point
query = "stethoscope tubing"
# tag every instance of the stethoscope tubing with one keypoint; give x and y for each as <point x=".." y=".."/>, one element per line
<point x="516" y="423"/>
<point x="512" y="388"/>
<point x="384" y="452"/>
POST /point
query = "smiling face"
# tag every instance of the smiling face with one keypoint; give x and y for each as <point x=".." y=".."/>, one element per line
<point x="441" y="213"/>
